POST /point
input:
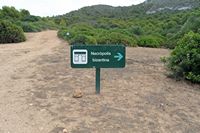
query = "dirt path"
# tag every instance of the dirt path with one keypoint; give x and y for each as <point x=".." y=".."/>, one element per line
<point x="37" y="83"/>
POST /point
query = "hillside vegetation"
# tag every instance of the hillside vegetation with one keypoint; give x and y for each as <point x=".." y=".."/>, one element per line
<point x="154" y="23"/>
<point x="184" y="61"/>
<point x="10" y="33"/>
<point x="28" y="22"/>
<point x="13" y="23"/>
<point x="133" y="26"/>
<point x="150" y="24"/>
<point x="159" y="5"/>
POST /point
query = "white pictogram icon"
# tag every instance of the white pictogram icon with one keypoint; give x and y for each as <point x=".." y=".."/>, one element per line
<point x="80" y="56"/>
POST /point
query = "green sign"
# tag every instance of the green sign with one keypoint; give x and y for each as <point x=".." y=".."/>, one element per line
<point x="98" y="56"/>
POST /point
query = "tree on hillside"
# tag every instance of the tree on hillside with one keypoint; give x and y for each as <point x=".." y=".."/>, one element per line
<point x="10" y="12"/>
<point x="24" y="13"/>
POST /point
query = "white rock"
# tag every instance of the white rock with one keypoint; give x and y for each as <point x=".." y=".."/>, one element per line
<point x="65" y="131"/>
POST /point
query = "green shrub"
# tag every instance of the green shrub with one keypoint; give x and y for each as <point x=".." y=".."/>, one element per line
<point x="10" y="12"/>
<point x="83" y="39"/>
<point x="41" y="25"/>
<point x="31" y="18"/>
<point x="122" y="31"/>
<point x="150" y="41"/>
<point x="29" y="27"/>
<point x="137" y="30"/>
<point x="35" y="26"/>
<point x="184" y="61"/>
<point x="61" y="33"/>
<point x="116" y="38"/>
<point x="191" y="24"/>
<point x="96" y="36"/>
<point x="91" y="40"/>
<point x="10" y="33"/>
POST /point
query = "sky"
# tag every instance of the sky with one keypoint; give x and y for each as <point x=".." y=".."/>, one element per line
<point x="59" y="7"/>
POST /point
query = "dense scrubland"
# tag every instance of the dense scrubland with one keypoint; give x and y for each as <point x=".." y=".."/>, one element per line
<point x="162" y="29"/>
<point x="132" y="26"/>
<point x="14" y="23"/>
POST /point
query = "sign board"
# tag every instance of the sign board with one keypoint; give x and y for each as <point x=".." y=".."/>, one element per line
<point x="98" y="56"/>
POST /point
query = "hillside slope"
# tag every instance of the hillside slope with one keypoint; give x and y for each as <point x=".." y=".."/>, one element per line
<point x="156" y="23"/>
<point x="161" y="5"/>
<point x="149" y="6"/>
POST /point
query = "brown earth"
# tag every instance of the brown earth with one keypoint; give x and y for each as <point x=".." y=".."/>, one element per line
<point x="37" y="85"/>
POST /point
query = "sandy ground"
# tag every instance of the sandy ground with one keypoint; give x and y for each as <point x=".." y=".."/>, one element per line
<point x="37" y="84"/>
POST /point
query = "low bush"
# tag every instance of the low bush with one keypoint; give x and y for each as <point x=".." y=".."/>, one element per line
<point x="10" y="33"/>
<point x="31" y="18"/>
<point x="29" y="27"/>
<point x="96" y="36"/>
<point x="137" y="30"/>
<point x="116" y="38"/>
<point x="35" y="26"/>
<point x="66" y="34"/>
<point x="83" y="39"/>
<point x="184" y="61"/>
<point x="150" y="41"/>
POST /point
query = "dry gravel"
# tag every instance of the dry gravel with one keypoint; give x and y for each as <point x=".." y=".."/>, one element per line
<point x="37" y="85"/>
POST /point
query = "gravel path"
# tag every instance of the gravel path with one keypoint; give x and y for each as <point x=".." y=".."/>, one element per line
<point x="37" y="84"/>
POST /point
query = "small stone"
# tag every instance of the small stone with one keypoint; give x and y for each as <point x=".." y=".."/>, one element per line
<point x="78" y="94"/>
<point x="65" y="131"/>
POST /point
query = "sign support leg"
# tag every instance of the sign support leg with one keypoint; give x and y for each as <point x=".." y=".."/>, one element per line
<point x="98" y="73"/>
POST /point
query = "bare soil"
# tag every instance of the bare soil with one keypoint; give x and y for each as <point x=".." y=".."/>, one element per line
<point x="37" y="85"/>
